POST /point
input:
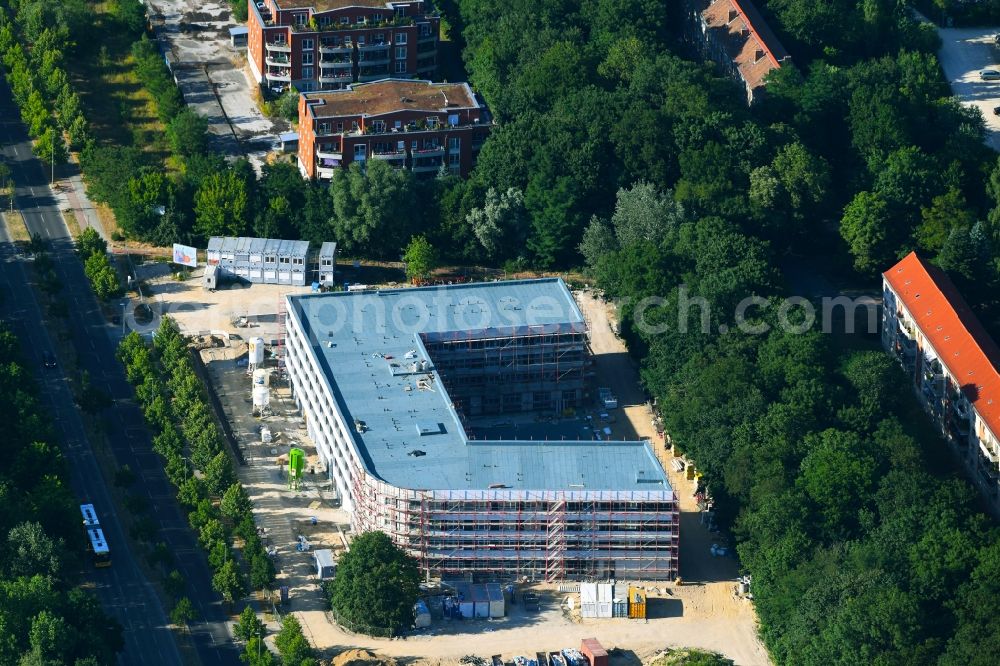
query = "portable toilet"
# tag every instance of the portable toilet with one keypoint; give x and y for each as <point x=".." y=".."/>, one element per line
<point x="210" y="279"/>
<point x="605" y="599"/>
<point x="497" y="608"/>
<point x="326" y="568"/>
<point x="481" y="600"/>
<point x="588" y="599"/>
<point x="636" y="603"/>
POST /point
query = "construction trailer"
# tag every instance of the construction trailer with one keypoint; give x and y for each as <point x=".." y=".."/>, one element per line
<point x="376" y="391"/>
<point x="260" y="260"/>
<point x="326" y="568"/>
<point x="327" y="264"/>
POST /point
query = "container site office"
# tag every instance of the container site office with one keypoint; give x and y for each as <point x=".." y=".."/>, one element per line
<point x="260" y="260"/>
<point x="377" y="403"/>
<point x="327" y="263"/>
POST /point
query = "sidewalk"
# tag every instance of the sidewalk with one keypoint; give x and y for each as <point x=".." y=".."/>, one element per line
<point x="71" y="196"/>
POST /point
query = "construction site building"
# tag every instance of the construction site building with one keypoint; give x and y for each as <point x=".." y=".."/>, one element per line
<point x="385" y="381"/>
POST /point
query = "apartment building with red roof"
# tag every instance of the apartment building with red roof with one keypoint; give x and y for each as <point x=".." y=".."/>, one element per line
<point x="415" y="125"/>
<point x="952" y="361"/>
<point x="733" y="34"/>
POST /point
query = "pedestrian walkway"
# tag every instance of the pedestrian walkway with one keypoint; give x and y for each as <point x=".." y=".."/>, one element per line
<point x="71" y="195"/>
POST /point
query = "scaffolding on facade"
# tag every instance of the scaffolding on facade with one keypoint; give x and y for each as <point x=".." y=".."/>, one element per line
<point x="538" y="535"/>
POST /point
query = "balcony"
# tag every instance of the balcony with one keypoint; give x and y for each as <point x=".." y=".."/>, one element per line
<point x="425" y="168"/>
<point x="335" y="75"/>
<point x="276" y="60"/>
<point x="336" y="50"/>
<point x="324" y="173"/>
<point x="393" y="155"/>
<point x="437" y="151"/>
<point x="340" y="60"/>
<point x="429" y="37"/>
<point x="364" y="48"/>
<point x="277" y="48"/>
<point x="373" y="76"/>
<point x="284" y="75"/>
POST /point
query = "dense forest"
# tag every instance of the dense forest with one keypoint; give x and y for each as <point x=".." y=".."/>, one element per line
<point x="45" y="617"/>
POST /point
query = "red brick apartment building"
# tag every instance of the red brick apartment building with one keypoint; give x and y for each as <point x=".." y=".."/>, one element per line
<point x="328" y="44"/>
<point x="416" y="125"/>
<point x="952" y="361"/>
<point x="733" y="34"/>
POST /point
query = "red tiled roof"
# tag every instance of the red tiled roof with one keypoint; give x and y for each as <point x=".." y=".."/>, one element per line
<point x="948" y="324"/>
<point x="748" y="34"/>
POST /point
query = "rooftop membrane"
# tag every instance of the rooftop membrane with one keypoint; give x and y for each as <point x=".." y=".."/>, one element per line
<point x="369" y="346"/>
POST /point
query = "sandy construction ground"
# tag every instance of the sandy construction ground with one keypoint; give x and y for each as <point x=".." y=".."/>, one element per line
<point x="704" y="612"/>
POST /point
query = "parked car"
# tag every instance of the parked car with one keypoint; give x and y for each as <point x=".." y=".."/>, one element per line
<point x="996" y="110"/>
<point x="989" y="74"/>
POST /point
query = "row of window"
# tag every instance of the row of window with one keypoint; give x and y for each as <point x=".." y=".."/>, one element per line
<point x="381" y="126"/>
<point x="339" y="41"/>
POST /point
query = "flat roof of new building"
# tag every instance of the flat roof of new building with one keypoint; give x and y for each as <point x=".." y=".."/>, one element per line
<point x="388" y="95"/>
<point x="370" y="347"/>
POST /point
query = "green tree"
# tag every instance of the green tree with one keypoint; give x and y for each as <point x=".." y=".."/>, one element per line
<point x="219" y="473"/>
<point x="32" y="551"/>
<point x="376" y="584"/>
<point x="183" y="612"/>
<point x="235" y="502"/>
<point x="221" y="205"/>
<point x="228" y="582"/>
<point x="420" y="258"/>
<point x="866" y="226"/>
<point x="501" y="225"/>
<point x="599" y="241"/>
<point x="292" y="644"/>
<point x="88" y="243"/>
<point x="50" y="141"/>
<point x="287" y="105"/>
<point x="262" y="571"/>
<point x="249" y="625"/>
<point x="946" y="213"/>
<point x="373" y="208"/>
<point x="257" y="654"/>
<point x="187" y="132"/>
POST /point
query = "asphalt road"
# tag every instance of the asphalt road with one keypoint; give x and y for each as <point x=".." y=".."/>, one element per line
<point x="122" y="588"/>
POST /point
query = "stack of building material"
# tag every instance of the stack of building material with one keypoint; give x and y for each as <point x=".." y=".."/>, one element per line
<point x="594" y="652"/>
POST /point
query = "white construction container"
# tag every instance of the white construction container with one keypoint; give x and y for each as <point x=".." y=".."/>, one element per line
<point x="261" y="398"/>
<point x="256" y="351"/>
<point x="588" y="599"/>
<point x="605" y="599"/>
<point x="326" y="568"/>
